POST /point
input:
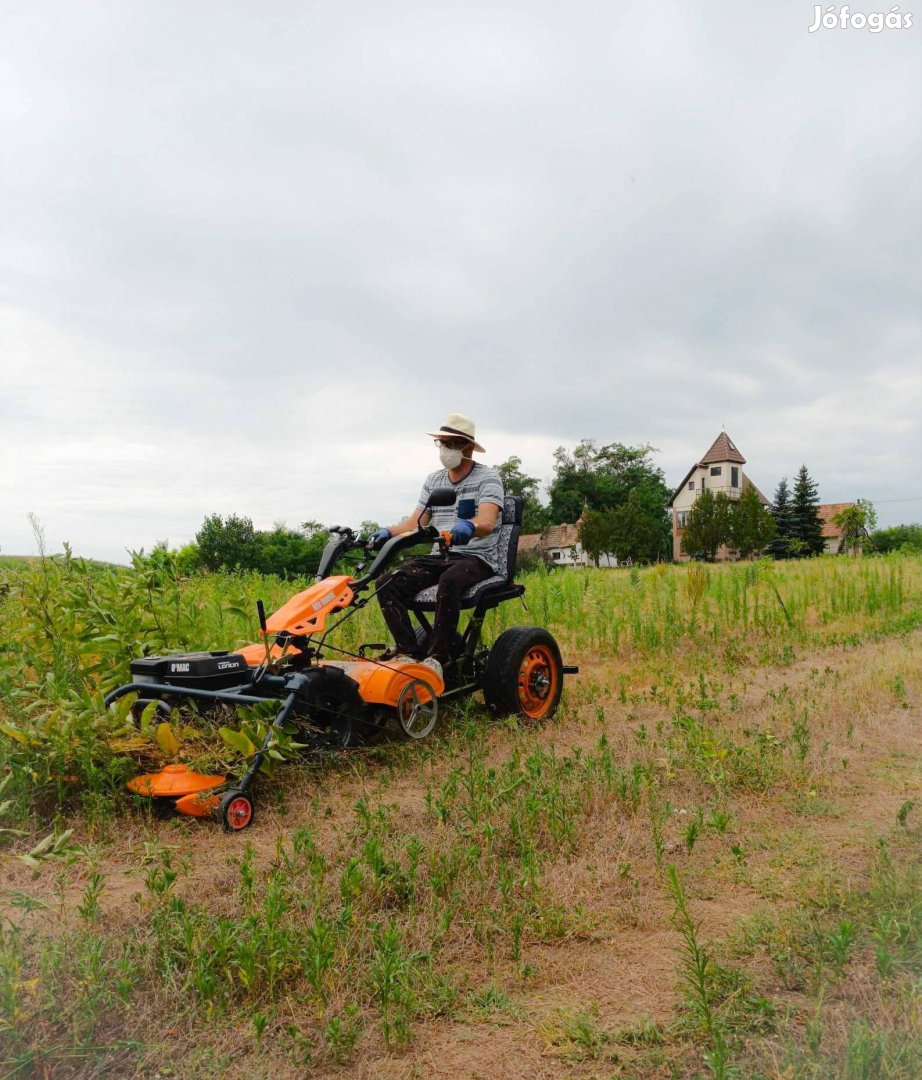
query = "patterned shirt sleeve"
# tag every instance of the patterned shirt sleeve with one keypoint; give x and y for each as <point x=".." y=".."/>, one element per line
<point x="425" y="493"/>
<point x="491" y="489"/>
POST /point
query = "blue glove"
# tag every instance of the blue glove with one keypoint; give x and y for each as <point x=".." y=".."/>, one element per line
<point x="461" y="532"/>
<point x="379" y="538"/>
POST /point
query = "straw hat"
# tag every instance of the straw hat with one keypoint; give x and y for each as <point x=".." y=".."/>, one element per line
<point x="457" y="426"/>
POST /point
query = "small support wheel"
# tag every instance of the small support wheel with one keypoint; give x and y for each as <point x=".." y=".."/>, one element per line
<point x="236" y="811"/>
<point x="417" y="709"/>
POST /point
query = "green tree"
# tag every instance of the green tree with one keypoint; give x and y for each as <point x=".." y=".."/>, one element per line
<point x="637" y="532"/>
<point x="707" y="526"/>
<point x="230" y="542"/>
<point x="856" y="523"/>
<point x="288" y="553"/>
<point x="603" y="478"/>
<point x="751" y="525"/>
<point x="779" y="547"/>
<point x="897" y="538"/>
<point x="189" y="558"/>
<point x="534" y="514"/>
<point x="596" y="534"/>
<point x="806" y="524"/>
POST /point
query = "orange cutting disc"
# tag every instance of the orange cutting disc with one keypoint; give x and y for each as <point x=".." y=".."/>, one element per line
<point x="173" y="781"/>
<point x="199" y="804"/>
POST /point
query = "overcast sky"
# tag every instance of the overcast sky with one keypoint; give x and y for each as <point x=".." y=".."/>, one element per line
<point x="250" y="253"/>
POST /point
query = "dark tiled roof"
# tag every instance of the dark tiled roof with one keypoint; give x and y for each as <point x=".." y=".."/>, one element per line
<point x="723" y="449"/>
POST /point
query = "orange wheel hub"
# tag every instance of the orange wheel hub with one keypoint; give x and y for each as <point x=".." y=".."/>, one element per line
<point x="538" y="679"/>
<point x="239" y="812"/>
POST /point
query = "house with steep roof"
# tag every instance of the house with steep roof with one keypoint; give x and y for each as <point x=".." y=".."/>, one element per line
<point x="832" y="534"/>
<point x="720" y="470"/>
<point x="562" y="546"/>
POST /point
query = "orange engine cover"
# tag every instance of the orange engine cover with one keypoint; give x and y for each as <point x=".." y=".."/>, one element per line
<point x="305" y="613"/>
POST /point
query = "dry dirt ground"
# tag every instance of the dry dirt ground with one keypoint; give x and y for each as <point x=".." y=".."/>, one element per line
<point x="864" y="705"/>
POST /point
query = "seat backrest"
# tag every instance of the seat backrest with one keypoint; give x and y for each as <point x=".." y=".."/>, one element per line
<point x="507" y="547"/>
<point x="512" y="510"/>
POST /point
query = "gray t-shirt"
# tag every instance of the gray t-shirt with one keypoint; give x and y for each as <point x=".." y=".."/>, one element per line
<point x="482" y="485"/>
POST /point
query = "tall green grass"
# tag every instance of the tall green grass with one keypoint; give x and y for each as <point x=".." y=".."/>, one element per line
<point x="69" y="629"/>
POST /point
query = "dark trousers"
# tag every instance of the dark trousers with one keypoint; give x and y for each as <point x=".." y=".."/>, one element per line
<point x="397" y="589"/>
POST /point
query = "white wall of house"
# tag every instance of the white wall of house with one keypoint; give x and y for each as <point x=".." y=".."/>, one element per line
<point x="724" y="476"/>
<point x="703" y="476"/>
<point x="575" y="556"/>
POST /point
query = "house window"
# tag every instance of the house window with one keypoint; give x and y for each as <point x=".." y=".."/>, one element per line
<point x="691" y="485"/>
<point x="734" y="477"/>
<point x="555" y="554"/>
<point x="716" y="470"/>
<point x="680" y="518"/>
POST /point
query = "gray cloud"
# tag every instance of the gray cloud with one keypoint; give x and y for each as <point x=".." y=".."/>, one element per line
<point x="247" y="258"/>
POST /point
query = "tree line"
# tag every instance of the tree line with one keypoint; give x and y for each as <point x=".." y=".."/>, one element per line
<point x="616" y="491"/>
<point x="620" y="497"/>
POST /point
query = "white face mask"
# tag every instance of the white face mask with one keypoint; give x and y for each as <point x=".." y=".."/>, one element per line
<point x="449" y="458"/>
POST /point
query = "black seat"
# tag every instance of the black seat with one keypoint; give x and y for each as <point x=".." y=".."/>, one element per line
<point x="501" y="586"/>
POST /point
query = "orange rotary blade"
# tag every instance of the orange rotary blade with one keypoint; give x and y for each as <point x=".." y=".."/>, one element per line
<point x="174" y="781"/>
<point x="198" y="804"/>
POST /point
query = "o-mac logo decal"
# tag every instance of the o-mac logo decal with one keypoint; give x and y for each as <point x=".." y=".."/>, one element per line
<point x="323" y="601"/>
<point x="179" y="668"/>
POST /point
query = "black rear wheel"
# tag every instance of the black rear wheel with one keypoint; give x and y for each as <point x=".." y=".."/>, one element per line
<point x="524" y="674"/>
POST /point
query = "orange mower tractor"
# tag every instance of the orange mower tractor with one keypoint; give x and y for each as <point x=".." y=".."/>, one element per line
<point x="332" y="698"/>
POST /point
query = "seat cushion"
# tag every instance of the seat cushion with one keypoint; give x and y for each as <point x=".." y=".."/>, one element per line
<point x="425" y="598"/>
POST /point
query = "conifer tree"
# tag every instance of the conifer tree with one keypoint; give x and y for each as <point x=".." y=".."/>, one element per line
<point x="806" y="525"/>
<point x="778" y="548"/>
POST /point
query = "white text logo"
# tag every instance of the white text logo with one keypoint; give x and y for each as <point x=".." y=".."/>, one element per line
<point x="843" y="19"/>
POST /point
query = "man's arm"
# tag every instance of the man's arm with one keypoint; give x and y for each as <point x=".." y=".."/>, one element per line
<point x="408" y="524"/>
<point x="485" y="521"/>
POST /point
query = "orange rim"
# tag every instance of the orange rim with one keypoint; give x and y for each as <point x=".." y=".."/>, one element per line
<point x="239" y="813"/>
<point x="538" y="680"/>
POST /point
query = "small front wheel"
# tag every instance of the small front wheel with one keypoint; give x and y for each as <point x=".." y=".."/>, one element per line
<point x="417" y="709"/>
<point x="524" y="674"/>
<point x="236" y="811"/>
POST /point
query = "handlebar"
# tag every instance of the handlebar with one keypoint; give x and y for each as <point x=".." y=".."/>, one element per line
<point x="396" y="544"/>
